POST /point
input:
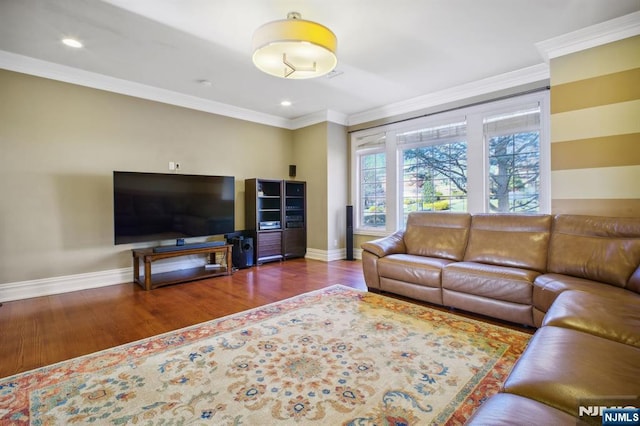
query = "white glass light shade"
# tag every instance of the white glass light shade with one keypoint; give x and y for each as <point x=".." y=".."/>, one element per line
<point x="294" y="48"/>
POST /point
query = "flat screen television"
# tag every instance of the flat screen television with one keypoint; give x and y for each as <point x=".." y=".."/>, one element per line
<point x="161" y="206"/>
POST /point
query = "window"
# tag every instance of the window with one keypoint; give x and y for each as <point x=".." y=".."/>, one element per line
<point x="373" y="184"/>
<point x="434" y="169"/>
<point x="372" y="168"/>
<point x="486" y="158"/>
<point x="514" y="161"/>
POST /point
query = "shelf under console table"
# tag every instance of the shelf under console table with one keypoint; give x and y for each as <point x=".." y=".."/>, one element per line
<point x="150" y="281"/>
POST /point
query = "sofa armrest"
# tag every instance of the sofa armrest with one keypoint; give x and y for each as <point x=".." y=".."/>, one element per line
<point x="381" y="247"/>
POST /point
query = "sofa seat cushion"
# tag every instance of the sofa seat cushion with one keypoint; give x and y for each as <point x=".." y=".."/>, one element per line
<point x="614" y="318"/>
<point x="492" y="281"/>
<point x="505" y="409"/>
<point x="562" y="367"/>
<point x="412" y="269"/>
<point x="518" y="313"/>
<point x="547" y="287"/>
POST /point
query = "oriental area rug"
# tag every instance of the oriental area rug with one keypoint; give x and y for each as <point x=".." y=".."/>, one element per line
<point x="335" y="356"/>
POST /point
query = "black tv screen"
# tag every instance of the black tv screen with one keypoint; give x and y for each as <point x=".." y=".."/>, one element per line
<point x="161" y="206"/>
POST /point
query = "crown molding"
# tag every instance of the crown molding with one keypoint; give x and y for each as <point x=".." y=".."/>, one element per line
<point x="40" y="68"/>
<point x="605" y="32"/>
<point x="596" y="35"/>
<point x="318" y="117"/>
<point x="53" y="71"/>
<point x="337" y="117"/>
<point x="532" y="74"/>
<point x="50" y="70"/>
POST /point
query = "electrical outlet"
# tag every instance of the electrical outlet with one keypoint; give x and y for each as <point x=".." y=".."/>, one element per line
<point x="172" y="165"/>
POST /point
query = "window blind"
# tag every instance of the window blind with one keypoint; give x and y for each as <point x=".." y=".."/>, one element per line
<point x="524" y="120"/>
<point x="371" y="142"/>
<point x="434" y="135"/>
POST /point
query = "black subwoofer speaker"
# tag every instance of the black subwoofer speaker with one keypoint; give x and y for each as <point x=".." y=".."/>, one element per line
<point x="242" y="252"/>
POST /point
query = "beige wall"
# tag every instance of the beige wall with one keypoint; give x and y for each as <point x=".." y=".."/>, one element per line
<point x="60" y="143"/>
<point x="595" y="130"/>
<point x="310" y="158"/>
<point x="320" y="153"/>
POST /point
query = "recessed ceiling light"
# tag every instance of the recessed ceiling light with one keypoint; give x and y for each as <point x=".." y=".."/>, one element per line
<point x="206" y="83"/>
<point x="72" y="42"/>
<point x="285" y="103"/>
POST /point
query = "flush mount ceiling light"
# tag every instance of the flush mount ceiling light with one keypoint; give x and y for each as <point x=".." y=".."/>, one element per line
<point x="294" y="48"/>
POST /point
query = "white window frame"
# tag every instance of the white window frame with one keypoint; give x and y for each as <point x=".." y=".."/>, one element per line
<point x="358" y="149"/>
<point x="477" y="157"/>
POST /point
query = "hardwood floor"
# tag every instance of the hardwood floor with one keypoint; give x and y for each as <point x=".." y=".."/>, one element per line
<point x="44" y="330"/>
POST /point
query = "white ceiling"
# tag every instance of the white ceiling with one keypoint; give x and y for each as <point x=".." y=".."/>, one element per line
<point x="389" y="51"/>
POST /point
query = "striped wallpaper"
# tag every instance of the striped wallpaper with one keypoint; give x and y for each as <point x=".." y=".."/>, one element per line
<point x="595" y="130"/>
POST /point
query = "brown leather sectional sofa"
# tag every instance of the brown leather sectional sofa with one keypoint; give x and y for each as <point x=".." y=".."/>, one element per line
<point x="576" y="278"/>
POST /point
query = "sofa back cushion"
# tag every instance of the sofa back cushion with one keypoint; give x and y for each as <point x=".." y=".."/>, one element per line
<point x="515" y="240"/>
<point x="436" y="234"/>
<point x="598" y="248"/>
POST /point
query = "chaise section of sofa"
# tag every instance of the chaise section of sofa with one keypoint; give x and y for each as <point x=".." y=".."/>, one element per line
<point x="608" y="316"/>
<point x="587" y="353"/>
<point x="564" y="368"/>
<point x="561" y="370"/>
<point x="505" y="409"/>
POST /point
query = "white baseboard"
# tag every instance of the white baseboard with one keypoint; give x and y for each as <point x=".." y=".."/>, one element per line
<point x="325" y="255"/>
<point x="357" y="253"/>
<point x="65" y="284"/>
<point x="56" y="285"/>
<point x="331" y="255"/>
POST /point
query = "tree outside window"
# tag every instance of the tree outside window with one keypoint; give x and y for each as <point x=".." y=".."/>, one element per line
<point x="513" y="144"/>
<point x="435" y="178"/>
<point x="514" y="173"/>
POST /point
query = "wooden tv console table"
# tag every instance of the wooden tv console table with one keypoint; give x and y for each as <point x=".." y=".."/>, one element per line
<point x="149" y="281"/>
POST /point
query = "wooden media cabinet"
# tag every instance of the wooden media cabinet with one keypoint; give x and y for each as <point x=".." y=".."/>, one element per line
<point x="149" y="280"/>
